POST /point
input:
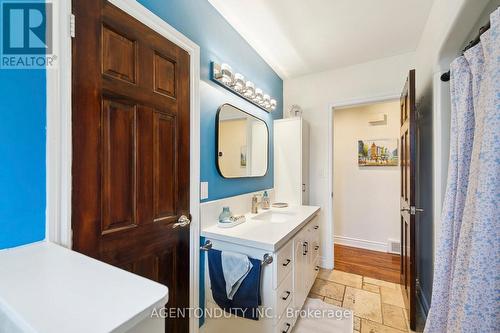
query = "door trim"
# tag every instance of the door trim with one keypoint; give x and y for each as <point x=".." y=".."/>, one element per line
<point x="58" y="141"/>
<point x="328" y="261"/>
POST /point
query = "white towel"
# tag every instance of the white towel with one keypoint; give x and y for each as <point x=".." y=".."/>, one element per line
<point x="235" y="267"/>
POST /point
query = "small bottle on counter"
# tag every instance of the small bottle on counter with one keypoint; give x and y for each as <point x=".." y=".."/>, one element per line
<point x="225" y="215"/>
<point x="266" y="202"/>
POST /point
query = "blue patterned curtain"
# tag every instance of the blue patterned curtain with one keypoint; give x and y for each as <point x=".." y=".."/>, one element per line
<point x="466" y="290"/>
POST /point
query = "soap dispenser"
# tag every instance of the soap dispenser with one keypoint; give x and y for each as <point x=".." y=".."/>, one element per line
<point x="266" y="202"/>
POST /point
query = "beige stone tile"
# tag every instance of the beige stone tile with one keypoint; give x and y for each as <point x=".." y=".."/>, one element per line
<point x="393" y="316"/>
<point x="368" y="326"/>
<point x="313" y="295"/>
<point x="348" y="279"/>
<point x="392" y="296"/>
<point x="365" y="304"/>
<point x="357" y="323"/>
<point x="381" y="283"/>
<point x="371" y="287"/>
<point x="333" y="301"/>
<point x="328" y="289"/>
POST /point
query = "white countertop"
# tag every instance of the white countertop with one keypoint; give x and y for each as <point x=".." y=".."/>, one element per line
<point x="264" y="235"/>
<point x="46" y="288"/>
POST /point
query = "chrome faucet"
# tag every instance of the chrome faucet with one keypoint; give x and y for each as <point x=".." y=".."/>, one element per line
<point x="255" y="204"/>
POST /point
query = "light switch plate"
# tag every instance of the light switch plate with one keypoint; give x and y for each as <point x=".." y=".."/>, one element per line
<point x="203" y="190"/>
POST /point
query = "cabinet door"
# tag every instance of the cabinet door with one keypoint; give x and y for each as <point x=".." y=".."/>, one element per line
<point x="299" y="285"/>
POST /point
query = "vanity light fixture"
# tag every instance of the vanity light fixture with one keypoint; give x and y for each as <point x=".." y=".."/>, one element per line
<point x="235" y="82"/>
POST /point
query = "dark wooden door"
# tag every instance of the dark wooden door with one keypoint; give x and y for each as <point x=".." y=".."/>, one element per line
<point x="408" y="228"/>
<point x="131" y="148"/>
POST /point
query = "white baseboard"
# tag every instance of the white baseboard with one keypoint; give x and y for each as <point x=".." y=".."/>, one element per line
<point x="361" y="243"/>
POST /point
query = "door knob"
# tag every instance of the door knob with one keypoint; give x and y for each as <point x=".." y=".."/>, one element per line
<point x="183" y="221"/>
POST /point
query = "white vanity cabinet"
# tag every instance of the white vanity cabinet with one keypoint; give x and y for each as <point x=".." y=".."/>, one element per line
<point x="285" y="283"/>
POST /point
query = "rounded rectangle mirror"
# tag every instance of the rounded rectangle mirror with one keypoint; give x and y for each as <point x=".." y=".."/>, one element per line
<point x="242" y="143"/>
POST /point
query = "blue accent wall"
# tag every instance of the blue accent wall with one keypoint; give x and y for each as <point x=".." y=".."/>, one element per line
<point x="22" y="151"/>
<point x="218" y="41"/>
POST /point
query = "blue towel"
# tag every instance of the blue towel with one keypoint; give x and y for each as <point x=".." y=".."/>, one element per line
<point x="246" y="300"/>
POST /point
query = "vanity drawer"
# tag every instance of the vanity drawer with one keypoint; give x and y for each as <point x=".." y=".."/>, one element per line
<point x="284" y="264"/>
<point x="284" y="295"/>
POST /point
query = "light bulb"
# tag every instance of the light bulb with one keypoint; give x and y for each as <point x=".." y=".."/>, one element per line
<point x="239" y="82"/>
<point x="258" y="95"/>
<point x="249" y="90"/>
<point x="227" y="74"/>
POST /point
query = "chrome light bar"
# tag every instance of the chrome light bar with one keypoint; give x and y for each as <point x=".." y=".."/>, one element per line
<point x="235" y="82"/>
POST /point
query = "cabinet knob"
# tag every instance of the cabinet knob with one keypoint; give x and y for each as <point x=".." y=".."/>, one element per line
<point x="287" y="262"/>
<point x="316" y="227"/>
<point x="287" y="325"/>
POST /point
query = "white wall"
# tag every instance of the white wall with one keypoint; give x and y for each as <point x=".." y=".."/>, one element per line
<point x="316" y="94"/>
<point x="366" y="199"/>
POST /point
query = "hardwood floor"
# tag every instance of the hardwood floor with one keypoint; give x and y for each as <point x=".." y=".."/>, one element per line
<point x="374" y="264"/>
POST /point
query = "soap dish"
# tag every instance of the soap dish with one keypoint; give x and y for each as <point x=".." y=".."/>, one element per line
<point x="235" y="220"/>
<point x="280" y="205"/>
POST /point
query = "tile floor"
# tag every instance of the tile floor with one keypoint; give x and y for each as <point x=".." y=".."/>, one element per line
<point x="378" y="305"/>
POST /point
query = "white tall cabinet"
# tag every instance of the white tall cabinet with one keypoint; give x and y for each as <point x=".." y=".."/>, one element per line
<point x="291" y="161"/>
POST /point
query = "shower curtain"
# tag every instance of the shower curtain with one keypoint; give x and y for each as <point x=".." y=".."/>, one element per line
<point x="466" y="289"/>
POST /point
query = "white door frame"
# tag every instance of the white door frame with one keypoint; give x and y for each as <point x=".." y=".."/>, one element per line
<point x="58" y="144"/>
<point x="331" y="116"/>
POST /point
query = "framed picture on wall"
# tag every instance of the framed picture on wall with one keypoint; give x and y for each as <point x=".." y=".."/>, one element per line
<point x="381" y="152"/>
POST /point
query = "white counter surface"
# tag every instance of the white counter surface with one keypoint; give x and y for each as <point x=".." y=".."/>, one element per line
<point x="261" y="234"/>
<point x="45" y="288"/>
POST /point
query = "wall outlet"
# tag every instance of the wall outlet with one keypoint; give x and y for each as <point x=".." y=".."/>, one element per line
<point x="203" y="190"/>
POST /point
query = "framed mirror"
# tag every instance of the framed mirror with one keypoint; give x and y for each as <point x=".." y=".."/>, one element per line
<point x="242" y="143"/>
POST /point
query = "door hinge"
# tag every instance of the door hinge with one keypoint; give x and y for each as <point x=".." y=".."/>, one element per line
<point x="414" y="210"/>
<point x="72" y="26"/>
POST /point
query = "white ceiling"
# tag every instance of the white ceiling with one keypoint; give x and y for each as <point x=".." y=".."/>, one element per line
<point x="298" y="37"/>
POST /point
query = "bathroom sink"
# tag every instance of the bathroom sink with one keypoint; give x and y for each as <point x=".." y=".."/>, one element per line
<point x="274" y="217"/>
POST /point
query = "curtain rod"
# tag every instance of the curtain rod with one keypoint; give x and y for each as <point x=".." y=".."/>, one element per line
<point x="446" y="76"/>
